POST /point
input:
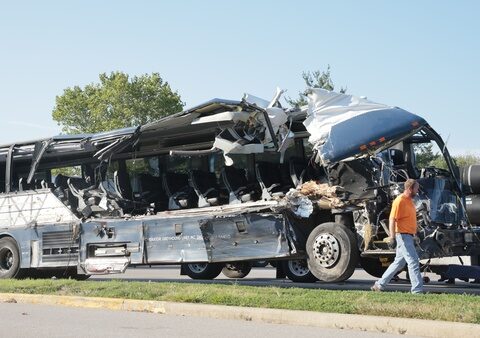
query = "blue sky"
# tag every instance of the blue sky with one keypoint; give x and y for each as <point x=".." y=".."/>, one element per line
<point x="423" y="56"/>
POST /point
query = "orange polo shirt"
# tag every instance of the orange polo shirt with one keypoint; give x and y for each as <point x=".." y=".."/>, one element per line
<point x="405" y="215"/>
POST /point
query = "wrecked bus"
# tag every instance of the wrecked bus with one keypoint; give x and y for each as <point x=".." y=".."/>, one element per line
<point x="229" y="182"/>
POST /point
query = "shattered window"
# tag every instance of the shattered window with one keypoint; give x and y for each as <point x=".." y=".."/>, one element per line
<point x="75" y="171"/>
<point x="217" y="162"/>
<point x="112" y="167"/>
<point x="142" y="167"/>
<point x="108" y="175"/>
<point x="176" y="164"/>
<point x="436" y="195"/>
<point x="153" y="166"/>
<point x="268" y="157"/>
<point x="428" y="155"/>
<point x="182" y="165"/>
<point x="241" y="162"/>
<point x="198" y="163"/>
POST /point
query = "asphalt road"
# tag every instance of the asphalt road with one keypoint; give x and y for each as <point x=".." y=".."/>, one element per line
<point x="266" y="276"/>
<point x="30" y="320"/>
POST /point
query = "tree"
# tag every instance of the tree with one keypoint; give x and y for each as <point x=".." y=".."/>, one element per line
<point x="424" y="155"/>
<point x="315" y="79"/>
<point x="118" y="101"/>
<point x="466" y="160"/>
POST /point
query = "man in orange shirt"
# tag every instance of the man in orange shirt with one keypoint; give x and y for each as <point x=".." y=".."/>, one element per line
<point x="403" y="227"/>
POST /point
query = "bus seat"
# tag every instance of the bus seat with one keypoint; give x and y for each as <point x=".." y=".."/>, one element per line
<point x="270" y="179"/>
<point x="206" y="188"/>
<point x="239" y="188"/>
<point x="178" y="190"/>
<point x="297" y="171"/>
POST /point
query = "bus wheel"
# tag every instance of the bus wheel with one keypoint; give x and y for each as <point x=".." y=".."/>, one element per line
<point x="297" y="271"/>
<point x="332" y="252"/>
<point x="237" y="269"/>
<point x="203" y="270"/>
<point x="9" y="258"/>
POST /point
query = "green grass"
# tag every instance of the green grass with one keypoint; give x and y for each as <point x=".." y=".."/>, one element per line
<point x="448" y="307"/>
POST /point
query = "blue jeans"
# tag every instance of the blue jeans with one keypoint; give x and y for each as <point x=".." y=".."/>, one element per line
<point x="406" y="253"/>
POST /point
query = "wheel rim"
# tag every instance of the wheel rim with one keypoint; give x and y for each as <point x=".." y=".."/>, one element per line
<point x="232" y="267"/>
<point x="6" y="259"/>
<point x="236" y="266"/>
<point x="197" y="267"/>
<point x="299" y="267"/>
<point x="326" y="249"/>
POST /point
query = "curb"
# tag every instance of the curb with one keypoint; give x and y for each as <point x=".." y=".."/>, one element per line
<point x="417" y="327"/>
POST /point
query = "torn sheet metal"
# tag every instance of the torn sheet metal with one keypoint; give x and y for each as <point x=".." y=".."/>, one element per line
<point x="278" y="118"/>
<point x="249" y="126"/>
<point x="116" y="141"/>
<point x="106" y="265"/>
<point x="38" y="152"/>
<point x="234" y="116"/>
<point x="299" y="204"/>
<point x="231" y="141"/>
<point x="226" y="209"/>
<point x="250" y="136"/>
<point x="342" y="126"/>
<point x="257" y="101"/>
<point x="215" y="239"/>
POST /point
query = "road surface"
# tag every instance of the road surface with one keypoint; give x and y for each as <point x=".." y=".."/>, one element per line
<point x="42" y="321"/>
<point x="266" y="276"/>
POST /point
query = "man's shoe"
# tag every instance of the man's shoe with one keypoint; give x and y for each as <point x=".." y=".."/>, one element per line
<point x="376" y="288"/>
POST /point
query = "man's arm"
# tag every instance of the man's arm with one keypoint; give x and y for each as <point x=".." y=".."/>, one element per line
<point x="391" y="228"/>
<point x="390" y="240"/>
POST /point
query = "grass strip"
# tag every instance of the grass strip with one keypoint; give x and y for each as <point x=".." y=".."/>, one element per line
<point x="447" y="307"/>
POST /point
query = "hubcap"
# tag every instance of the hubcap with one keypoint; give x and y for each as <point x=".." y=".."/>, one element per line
<point x="6" y="259"/>
<point x="299" y="267"/>
<point x="236" y="266"/>
<point x="198" y="267"/>
<point x="326" y="250"/>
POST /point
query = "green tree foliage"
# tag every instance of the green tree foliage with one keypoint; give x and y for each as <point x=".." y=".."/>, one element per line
<point x="118" y="101"/>
<point x="438" y="162"/>
<point x="315" y="79"/>
<point x="466" y="160"/>
<point x="425" y="157"/>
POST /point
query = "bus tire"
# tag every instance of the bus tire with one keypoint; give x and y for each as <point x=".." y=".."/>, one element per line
<point x="332" y="252"/>
<point x="237" y="269"/>
<point x="203" y="270"/>
<point x="297" y="271"/>
<point x="9" y="258"/>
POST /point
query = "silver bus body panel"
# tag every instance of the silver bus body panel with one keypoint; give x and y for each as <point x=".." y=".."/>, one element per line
<point x="184" y="236"/>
